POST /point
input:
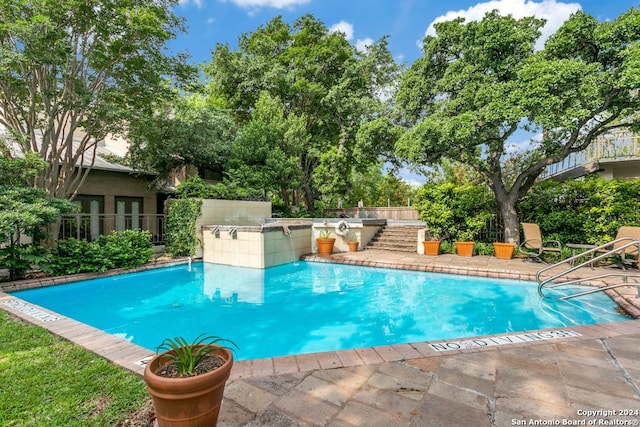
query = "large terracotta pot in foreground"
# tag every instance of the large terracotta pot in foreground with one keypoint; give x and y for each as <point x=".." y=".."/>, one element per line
<point x="187" y="402"/>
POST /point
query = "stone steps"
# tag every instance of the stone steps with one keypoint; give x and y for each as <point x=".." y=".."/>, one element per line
<point x="396" y="238"/>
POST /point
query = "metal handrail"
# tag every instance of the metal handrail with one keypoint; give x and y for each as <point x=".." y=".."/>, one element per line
<point x="620" y="249"/>
<point x="600" y="289"/>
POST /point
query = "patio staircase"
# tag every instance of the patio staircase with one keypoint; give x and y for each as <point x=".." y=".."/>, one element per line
<point x="402" y="238"/>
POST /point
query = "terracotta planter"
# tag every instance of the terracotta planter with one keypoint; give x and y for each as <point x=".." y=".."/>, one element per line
<point x="192" y="401"/>
<point x="504" y="250"/>
<point x="325" y="245"/>
<point x="353" y="246"/>
<point x="431" y="247"/>
<point x="464" y="248"/>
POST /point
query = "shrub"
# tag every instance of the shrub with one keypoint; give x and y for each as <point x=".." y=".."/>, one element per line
<point x="128" y="248"/>
<point x="181" y="226"/>
<point x="455" y="212"/>
<point x="120" y="249"/>
<point x="584" y="211"/>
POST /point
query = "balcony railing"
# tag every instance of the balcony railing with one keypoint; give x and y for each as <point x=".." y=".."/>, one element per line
<point x="618" y="145"/>
<point x="90" y="226"/>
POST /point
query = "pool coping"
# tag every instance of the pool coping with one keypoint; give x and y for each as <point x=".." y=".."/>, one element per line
<point x="133" y="357"/>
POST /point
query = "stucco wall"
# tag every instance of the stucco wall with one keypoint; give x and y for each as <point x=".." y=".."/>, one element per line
<point x="255" y="247"/>
<point x="230" y="212"/>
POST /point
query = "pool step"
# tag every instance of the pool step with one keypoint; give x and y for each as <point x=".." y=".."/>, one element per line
<point x="396" y="238"/>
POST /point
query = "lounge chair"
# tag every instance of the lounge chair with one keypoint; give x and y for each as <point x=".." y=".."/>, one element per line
<point x="629" y="234"/>
<point x="534" y="246"/>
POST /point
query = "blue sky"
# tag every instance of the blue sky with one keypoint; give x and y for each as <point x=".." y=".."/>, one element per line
<point x="405" y="22"/>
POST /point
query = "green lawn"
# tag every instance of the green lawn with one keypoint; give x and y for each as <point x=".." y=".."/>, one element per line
<point x="45" y="380"/>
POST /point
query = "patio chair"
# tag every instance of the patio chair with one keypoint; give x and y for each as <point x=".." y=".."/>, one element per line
<point x="632" y="233"/>
<point x="534" y="246"/>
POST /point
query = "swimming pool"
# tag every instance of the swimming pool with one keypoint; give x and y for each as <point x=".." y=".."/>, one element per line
<point x="307" y="307"/>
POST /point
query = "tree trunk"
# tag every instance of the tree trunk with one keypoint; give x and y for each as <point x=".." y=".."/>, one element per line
<point x="308" y="197"/>
<point x="510" y="221"/>
<point x="506" y="201"/>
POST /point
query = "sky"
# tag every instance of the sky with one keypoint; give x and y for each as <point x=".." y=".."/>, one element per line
<point x="404" y="22"/>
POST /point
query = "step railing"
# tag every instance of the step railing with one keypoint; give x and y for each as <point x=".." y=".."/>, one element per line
<point x="620" y="247"/>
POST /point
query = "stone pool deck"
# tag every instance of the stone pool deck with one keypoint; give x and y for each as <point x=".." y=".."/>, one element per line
<point x="585" y="375"/>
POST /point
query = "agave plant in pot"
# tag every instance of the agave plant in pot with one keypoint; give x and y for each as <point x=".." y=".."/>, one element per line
<point x="186" y="380"/>
<point x="325" y="242"/>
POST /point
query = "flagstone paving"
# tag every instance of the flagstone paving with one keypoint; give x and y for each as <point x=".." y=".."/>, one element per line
<point x="588" y="376"/>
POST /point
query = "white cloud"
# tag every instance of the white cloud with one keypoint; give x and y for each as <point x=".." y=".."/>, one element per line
<point x="363" y="44"/>
<point x="343" y="27"/>
<point x="523" y="142"/>
<point x="197" y="3"/>
<point x="278" y="4"/>
<point x="211" y="20"/>
<point x="347" y="29"/>
<point x="553" y="11"/>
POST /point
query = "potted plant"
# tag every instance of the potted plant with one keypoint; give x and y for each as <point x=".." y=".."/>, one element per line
<point x="433" y="237"/>
<point x="464" y="238"/>
<point x="353" y="242"/>
<point x="325" y="242"/>
<point x="186" y="381"/>
<point x="464" y="243"/>
<point x="503" y="250"/>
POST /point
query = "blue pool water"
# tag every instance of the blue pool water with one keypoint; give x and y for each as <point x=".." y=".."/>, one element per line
<point x="306" y="307"/>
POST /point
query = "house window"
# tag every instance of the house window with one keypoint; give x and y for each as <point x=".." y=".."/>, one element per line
<point x="90" y="223"/>
<point x="128" y="213"/>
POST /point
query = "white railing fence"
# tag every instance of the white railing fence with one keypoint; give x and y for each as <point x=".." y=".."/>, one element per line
<point x="618" y="145"/>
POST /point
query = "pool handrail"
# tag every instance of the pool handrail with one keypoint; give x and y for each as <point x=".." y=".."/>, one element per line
<point x="618" y="249"/>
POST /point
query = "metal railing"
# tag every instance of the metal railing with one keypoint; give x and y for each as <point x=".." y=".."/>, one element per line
<point x="619" y="247"/>
<point x="91" y="226"/>
<point x="617" y="145"/>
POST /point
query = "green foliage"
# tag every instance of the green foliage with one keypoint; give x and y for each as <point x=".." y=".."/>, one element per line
<point x="127" y="248"/>
<point x="483" y="248"/>
<point x="583" y="211"/>
<point x="190" y="132"/>
<point x="325" y="233"/>
<point x="393" y="191"/>
<point x="120" y="249"/>
<point x="47" y="381"/>
<point x="447" y="247"/>
<point x="78" y="256"/>
<point x="456" y="212"/>
<point x="479" y="82"/>
<point x="322" y="93"/>
<point x="196" y="187"/>
<point x="185" y="356"/>
<point x="181" y="226"/>
<point x="266" y="154"/>
<point x="69" y="67"/>
<point x="24" y="211"/>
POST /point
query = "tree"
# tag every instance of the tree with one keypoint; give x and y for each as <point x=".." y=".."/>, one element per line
<point x="480" y="82"/>
<point x="72" y="72"/>
<point x="189" y="131"/>
<point x="319" y="78"/>
<point x="268" y="148"/>
<point x="24" y="211"/>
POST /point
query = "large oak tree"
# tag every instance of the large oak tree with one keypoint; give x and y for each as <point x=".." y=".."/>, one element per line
<point x="480" y="82"/>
